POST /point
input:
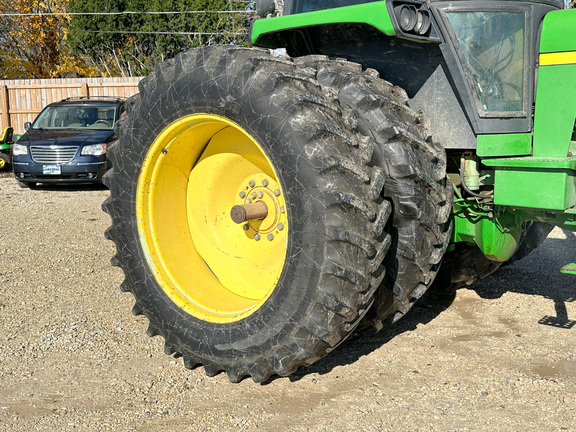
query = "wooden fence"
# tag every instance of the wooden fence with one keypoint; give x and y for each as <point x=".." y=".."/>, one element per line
<point x="22" y="100"/>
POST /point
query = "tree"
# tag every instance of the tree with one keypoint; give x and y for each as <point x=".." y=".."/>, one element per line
<point x="130" y="44"/>
<point x="34" y="46"/>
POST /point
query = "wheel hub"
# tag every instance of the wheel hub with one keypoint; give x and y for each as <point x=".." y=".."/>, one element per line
<point x="262" y="191"/>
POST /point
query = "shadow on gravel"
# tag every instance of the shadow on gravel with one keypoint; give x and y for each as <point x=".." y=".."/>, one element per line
<point x="539" y="275"/>
<point x="67" y="187"/>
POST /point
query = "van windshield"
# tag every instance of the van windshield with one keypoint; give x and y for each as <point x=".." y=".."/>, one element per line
<point x="76" y="117"/>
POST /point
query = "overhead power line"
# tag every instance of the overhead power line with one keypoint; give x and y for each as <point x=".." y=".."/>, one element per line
<point x="248" y="12"/>
<point x="128" y="32"/>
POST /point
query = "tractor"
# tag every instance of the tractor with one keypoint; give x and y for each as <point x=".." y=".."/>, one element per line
<point x="267" y="202"/>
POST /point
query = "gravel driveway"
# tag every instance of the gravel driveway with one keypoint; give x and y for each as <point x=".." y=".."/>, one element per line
<point x="500" y="356"/>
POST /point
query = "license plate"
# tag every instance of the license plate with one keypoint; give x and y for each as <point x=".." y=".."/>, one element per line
<point x="52" y="170"/>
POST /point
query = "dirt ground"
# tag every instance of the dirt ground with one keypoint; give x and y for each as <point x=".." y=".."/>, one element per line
<point x="499" y="356"/>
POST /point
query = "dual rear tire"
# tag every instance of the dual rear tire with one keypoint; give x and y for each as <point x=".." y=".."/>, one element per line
<point x="357" y="208"/>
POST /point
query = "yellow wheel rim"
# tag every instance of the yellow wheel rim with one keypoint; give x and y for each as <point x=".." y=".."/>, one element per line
<point x="2" y="163"/>
<point x="196" y="170"/>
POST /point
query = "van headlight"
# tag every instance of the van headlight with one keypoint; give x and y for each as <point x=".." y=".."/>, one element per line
<point x="19" y="150"/>
<point x="94" y="150"/>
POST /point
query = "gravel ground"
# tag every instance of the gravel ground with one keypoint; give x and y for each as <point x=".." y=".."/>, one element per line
<point x="499" y="356"/>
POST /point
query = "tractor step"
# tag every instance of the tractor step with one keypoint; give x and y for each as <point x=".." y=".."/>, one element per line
<point x="569" y="269"/>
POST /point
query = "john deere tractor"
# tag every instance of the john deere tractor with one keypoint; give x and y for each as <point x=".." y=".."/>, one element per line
<point x="266" y="202"/>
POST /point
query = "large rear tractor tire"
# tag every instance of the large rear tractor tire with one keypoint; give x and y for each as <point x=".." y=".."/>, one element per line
<point x="223" y="131"/>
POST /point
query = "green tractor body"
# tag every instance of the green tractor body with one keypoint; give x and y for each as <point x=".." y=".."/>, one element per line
<point x="264" y="206"/>
<point x="496" y="79"/>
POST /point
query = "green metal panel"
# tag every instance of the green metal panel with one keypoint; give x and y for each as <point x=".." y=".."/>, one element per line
<point x="497" y="238"/>
<point x="374" y="14"/>
<point x="504" y="145"/>
<point x="559" y="31"/>
<point x="533" y="162"/>
<point x="553" y="189"/>
<point x="464" y="230"/>
<point x="555" y="110"/>
<point x="496" y="242"/>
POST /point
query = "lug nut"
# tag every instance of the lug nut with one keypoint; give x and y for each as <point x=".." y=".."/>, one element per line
<point x="253" y="195"/>
<point x="282" y="209"/>
<point x="265" y="182"/>
<point x="260" y="195"/>
<point x="270" y="237"/>
<point x="257" y="237"/>
<point x="251" y="183"/>
<point x="280" y="226"/>
<point x="277" y="192"/>
<point x="242" y="194"/>
<point x="246" y="227"/>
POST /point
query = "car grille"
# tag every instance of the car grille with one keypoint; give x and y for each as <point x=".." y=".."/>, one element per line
<point x="61" y="154"/>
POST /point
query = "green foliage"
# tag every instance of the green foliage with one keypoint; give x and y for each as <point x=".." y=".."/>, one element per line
<point x="135" y="52"/>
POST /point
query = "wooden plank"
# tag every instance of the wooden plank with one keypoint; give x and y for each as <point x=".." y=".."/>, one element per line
<point x="5" y="106"/>
<point x="113" y="84"/>
<point x="22" y="111"/>
<point x="44" y="86"/>
<point x="72" y="86"/>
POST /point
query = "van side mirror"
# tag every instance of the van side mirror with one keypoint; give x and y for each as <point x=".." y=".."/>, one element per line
<point x="27" y="125"/>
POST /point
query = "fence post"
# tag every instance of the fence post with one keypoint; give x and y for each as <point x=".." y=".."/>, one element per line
<point x="5" y="107"/>
<point x="84" y="90"/>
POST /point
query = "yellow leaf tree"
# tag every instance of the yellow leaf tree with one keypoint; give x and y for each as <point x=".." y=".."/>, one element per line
<point x="32" y="41"/>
